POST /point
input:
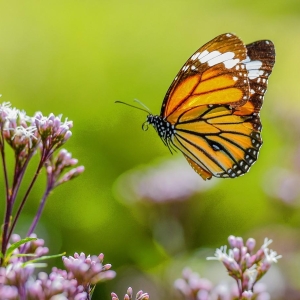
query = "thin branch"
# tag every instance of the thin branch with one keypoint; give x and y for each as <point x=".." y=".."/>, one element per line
<point x="41" y="163"/>
<point x="41" y="207"/>
<point x="4" y="165"/>
<point x="19" y="177"/>
<point x="8" y="203"/>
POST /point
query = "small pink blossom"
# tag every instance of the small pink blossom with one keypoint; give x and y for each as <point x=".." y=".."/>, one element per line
<point x="243" y="264"/>
<point x="128" y="296"/>
<point x="88" y="269"/>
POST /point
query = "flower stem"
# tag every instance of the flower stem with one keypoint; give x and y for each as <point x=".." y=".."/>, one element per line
<point x="41" y="207"/>
<point x="8" y="208"/>
<point x="41" y="163"/>
<point x="239" y="288"/>
<point x="4" y="166"/>
<point x="5" y="227"/>
<point x="18" y="176"/>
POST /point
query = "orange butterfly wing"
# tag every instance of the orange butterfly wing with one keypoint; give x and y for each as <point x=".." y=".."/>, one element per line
<point x="214" y="103"/>
<point x="213" y="74"/>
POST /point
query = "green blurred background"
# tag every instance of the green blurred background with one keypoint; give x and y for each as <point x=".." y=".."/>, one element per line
<point x="77" y="58"/>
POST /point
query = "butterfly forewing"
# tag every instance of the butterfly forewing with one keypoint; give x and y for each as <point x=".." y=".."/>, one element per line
<point x="213" y="74"/>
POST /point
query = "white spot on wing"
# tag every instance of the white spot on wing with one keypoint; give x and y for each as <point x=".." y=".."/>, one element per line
<point x="231" y="63"/>
<point x="215" y="57"/>
<point x="202" y="54"/>
<point x="195" y="56"/>
<point x="254" y="74"/>
<point x="247" y="59"/>
<point x="208" y="56"/>
<point x="185" y="68"/>
<point x="253" y="67"/>
<point x="227" y="56"/>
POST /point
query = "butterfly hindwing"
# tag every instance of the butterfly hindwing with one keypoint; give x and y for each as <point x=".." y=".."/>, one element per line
<point x="219" y="142"/>
<point x="259" y="63"/>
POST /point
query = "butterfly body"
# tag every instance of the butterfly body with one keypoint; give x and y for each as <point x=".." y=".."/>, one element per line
<point x="211" y="110"/>
<point x="165" y="129"/>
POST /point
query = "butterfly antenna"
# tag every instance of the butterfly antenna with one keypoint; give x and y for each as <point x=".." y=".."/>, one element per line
<point x="142" y="104"/>
<point x="147" y="111"/>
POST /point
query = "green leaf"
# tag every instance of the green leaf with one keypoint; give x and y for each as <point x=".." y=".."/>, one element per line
<point x="25" y="255"/>
<point x="43" y="258"/>
<point x="37" y="265"/>
<point x="15" y="246"/>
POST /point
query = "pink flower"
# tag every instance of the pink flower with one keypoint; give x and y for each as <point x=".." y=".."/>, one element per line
<point x="128" y="296"/>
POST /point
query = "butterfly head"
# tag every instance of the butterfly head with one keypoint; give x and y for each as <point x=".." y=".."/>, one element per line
<point x="164" y="129"/>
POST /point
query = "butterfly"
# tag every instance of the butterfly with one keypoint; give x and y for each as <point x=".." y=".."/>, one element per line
<point x="211" y="110"/>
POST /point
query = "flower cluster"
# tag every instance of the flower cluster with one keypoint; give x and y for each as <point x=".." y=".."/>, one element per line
<point x="128" y="296"/>
<point x="17" y="279"/>
<point x="53" y="133"/>
<point x="193" y="287"/>
<point x="88" y="270"/>
<point x="26" y="135"/>
<point x="17" y="130"/>
<point x="244" y="264"/>
<point x="57" y="165"/>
